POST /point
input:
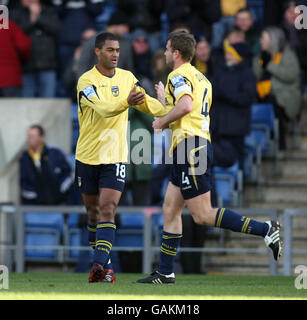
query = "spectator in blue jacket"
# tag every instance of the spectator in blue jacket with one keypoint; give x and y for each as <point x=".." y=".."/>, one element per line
<point x="234" y="89"/>
<point x="46" y="176"/>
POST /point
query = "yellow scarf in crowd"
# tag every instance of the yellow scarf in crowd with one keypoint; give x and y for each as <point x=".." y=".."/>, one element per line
<point x="264" y="86"/>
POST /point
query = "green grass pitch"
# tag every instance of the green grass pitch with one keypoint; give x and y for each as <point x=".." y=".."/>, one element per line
<point x="73" y="286"/>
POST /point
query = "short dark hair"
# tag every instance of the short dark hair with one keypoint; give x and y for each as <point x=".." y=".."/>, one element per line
<point x="40" y="129"/>
<point x="184" y="42"/>
<point x="244" y="10"/>
<point x="102" y="37"/>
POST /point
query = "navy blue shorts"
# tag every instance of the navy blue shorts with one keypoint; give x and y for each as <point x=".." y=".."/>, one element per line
<point x="191" y="170"/>
<point x="90" y="178"/>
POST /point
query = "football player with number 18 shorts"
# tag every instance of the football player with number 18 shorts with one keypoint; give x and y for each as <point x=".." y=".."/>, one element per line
<point x="104" y="95"/>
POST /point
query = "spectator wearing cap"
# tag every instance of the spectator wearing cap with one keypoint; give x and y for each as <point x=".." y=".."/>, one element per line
<point x="118" y="24"/>
<point x="234" y="92"/>
<point x="142" y="58"/>
<point x="15" y="49"/>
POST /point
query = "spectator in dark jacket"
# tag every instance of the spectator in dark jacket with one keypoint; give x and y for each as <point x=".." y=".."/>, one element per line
<point x="234" y="35"/>
<point x="41" y="24"/>
<point x="146" y="15"/>
<point x="234" y="89"/>
<point x="272" y="12"/>
<point x="142" y="59"/>
<point x="15" y="49"/>
<point x="76" y="16"/>
<point x="118" y="25"/>
<point x="45" y="174"/>
<point x="229" y="8"/>
<point x="198" y="15"/>
<point x="204" y="61"/>
<point x="244" y="21"/>
<point x="71" y="72"/>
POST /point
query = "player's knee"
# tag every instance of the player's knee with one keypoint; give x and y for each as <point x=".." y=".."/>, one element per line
<point x="203" y="218"/>
<point x="107" y="210"/>
<point x="200" y="219"/>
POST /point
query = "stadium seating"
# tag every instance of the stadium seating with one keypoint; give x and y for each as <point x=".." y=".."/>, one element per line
<point x="263" y="140"/>
<point x="72" y="236"/>
<point x="130" y="232"/>
<point x="43" y="229"/>
<point x="40" y="238"/>
<point x="229" y="185"/>
<point x="74" y="241"/>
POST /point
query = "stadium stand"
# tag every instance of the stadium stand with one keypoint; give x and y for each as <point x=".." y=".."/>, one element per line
<point x="43" y="229"/>
<point x="256" y="6"/>
<point x="229" y="185"/>
<point x="72" y="235"/>
<point x="262" y="141"/>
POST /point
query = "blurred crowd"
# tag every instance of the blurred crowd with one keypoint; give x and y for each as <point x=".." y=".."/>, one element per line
<point x="251" y="51"/>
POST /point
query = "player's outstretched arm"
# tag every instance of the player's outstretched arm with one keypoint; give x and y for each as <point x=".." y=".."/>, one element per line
<point x="150" y="105"/>
<point x="107" y="109"/>
<point x="182" y="107"/>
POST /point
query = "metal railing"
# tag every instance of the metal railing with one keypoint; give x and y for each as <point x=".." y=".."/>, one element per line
<point x="288" y="238"/>
<point x="149" y="246"/>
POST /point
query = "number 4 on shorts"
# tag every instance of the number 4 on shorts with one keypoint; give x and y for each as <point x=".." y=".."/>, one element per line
<point x="185" y="179"/>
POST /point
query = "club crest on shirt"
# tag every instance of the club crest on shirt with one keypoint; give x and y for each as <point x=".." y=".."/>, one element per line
<point x="115" y="91"/>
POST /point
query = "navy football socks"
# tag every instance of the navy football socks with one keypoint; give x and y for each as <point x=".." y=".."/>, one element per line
<point x="231" y="220"/>
<point x="169" y="246"/>
<point x="105" y="235"/>
<point x="92" y="235"/>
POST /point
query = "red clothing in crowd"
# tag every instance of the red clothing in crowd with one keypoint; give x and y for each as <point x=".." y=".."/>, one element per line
<point x="15" y="48"/>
